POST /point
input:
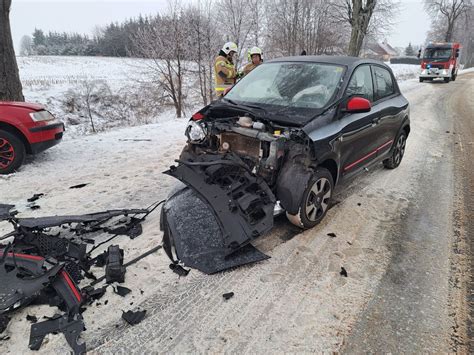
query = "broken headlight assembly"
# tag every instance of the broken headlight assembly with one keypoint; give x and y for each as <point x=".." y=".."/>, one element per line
<point x="196" y="132"/>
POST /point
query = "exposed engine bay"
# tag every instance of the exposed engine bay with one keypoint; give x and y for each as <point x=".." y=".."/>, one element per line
<point x="239" y="166"/>
<point x="261" y="147"/>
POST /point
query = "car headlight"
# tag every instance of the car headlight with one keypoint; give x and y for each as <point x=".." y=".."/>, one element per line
<point x="444" y="72"/>
<point x="41" y="116"/>
<point x="196" y="132"/>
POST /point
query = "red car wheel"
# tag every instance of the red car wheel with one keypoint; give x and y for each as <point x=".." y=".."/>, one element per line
<point x="12" y="152"/>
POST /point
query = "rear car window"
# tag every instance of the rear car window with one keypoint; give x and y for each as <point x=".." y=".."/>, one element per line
<point x="383" y="83"/>
<point x="361" y="83"/>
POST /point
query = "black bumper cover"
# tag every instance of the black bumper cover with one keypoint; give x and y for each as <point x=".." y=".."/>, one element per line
<point x="211" y="223"/>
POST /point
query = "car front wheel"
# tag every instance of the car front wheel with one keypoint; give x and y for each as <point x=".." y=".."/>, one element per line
<point x="315" y="201"/>
<point x="12" y="152"/>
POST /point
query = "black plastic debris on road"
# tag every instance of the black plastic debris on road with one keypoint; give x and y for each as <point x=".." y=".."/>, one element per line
<point x="121" y="291"/>
<point x="94" y="294"/>
<point x="202" y="248"/>
<point x="178" y="269"/>
<point x="70" y="326"/>
<point x="132" y="317"/>
<point x="5" y="212"/>
<point x="114" y="269"/>
<point x="43" y="266"/>
<point x="343" y="272"/>
<point x="228" y="295"/>
<point x="78" y="186"/>
<point x="33" y="206"/>
<point x="4" y="320"/>
<point x="32" y="319"/>
<point x="332" y="235"/>
<point x="35" y="197"/>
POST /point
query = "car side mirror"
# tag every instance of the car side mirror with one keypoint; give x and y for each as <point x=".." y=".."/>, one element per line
<point x="358" y="104"/>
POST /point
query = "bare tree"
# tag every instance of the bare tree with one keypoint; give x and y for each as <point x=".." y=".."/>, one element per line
<point x="368" y="20"/>
<point x="204" y="42"/>
<point x="165" y="42"/>
<point x="450" y="11"/>
<point x="10" y="85"/>
<point x="89" y="87"/>
<point x="359" y="13"/>
<point x="235" y="21"/>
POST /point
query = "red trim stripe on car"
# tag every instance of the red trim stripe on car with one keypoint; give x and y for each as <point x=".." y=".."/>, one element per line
<point x="350" y="166"/>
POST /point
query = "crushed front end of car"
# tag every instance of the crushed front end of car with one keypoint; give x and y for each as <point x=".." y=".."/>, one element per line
<point x="234" y="168"/>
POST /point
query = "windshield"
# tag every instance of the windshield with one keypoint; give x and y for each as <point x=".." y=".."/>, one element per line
<point x="437" y="53"/>
<point x="300" y="85"/>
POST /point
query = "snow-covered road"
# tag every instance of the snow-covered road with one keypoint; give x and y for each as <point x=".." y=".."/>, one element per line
<point x="294" y="302"/>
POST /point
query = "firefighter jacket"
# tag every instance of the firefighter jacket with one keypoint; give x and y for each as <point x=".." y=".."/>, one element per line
<point x="225" y="74"/>
<point x="248" y="68"/>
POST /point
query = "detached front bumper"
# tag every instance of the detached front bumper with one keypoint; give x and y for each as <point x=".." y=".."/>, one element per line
<point x="224" y="208"/>
<point x="42" y="137"/>
<point x="435" y="73"/>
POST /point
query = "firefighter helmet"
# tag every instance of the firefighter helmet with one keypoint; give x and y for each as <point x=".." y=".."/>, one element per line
<point x="230" y="47"/>
<point x="254" y="50"/>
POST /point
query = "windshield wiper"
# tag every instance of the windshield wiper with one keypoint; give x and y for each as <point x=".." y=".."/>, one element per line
<point x="265" y="112"/>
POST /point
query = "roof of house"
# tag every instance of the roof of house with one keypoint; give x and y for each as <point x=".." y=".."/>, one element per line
<point x="383" y="48"/>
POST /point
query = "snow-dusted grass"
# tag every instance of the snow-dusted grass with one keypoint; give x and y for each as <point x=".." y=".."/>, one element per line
<point x="124" y="93"/>
<point x="405" y="71"/>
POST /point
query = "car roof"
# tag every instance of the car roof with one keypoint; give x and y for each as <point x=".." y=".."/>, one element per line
<point x="339" y="60"/>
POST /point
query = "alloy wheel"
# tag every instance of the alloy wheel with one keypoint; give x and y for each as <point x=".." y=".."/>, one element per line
<point x="7" y="153"/>
<point x="317" y="201"/>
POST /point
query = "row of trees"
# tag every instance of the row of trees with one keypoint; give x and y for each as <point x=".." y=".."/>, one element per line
<point x="113" y="40"/>
<point x="184" y="41"/>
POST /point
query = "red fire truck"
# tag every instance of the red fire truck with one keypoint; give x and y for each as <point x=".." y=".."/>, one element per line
<point x="440" y="60"/>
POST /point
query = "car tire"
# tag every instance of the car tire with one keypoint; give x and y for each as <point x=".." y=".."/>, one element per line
<point x="398" y="151"/>
<point x="12" y="152"/>
<point x="421" y="80"/>
<point x="315" y="201"/>
<point x="453" y="78"/>
<point x="446" y="80"/>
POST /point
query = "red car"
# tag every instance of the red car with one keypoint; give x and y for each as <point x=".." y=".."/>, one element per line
<point x="25" y="128"/>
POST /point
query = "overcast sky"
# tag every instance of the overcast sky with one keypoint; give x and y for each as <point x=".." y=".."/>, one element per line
<point x="83" y="15"/>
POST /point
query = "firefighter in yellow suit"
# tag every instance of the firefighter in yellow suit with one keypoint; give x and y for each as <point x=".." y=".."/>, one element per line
<point x="255" y="59"/>
<point x="224" y="68"/>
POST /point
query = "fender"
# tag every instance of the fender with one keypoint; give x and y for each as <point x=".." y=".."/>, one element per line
<point x="291" y="184"/>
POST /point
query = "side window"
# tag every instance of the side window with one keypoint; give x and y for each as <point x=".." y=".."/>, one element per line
<point x="361" y="83"/>
<point x="383" y="83"/>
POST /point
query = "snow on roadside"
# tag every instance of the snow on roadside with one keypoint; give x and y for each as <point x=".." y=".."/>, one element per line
<point x="123" y="169"/>
<point x="405" y="71"/>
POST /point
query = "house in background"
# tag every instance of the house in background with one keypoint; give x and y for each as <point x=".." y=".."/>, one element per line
<point x="380" y="51"/>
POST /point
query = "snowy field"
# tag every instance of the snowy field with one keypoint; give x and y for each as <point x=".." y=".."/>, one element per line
<point x="121" y="91"/>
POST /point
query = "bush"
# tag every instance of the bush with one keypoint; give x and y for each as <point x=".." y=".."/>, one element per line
<point x="405" y="60"/>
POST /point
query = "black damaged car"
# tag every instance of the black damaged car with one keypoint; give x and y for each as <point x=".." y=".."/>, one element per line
<point x="290" y="131"/>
